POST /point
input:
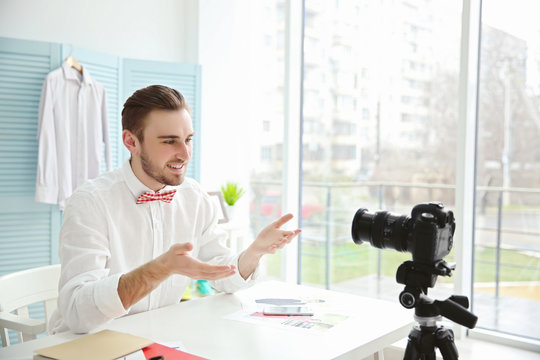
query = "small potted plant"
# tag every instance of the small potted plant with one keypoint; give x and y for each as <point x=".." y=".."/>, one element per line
<point x="232" y="192"/>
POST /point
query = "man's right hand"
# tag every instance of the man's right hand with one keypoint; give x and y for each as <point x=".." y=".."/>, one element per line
<point x="177" y="260"/>
<point x="138" y="283"/>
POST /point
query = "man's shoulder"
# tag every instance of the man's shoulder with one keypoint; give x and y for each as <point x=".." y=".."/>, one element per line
<point x="99" y="186"/>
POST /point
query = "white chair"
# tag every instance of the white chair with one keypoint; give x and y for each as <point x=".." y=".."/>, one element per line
<point x="20" y="289"/>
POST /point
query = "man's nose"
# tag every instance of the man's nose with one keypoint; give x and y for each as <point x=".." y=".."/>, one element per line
<point x="183" y="152"/>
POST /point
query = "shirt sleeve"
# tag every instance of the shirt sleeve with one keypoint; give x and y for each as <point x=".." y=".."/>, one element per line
<point x="215" y="251"/>
<point x="47" y="172"/>
<point x="88" y="296"/>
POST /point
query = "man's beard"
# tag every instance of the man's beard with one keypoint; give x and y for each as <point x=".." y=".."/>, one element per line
<point x="159" y="174"/>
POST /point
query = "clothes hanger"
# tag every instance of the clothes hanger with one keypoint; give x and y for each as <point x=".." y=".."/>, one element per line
<point x="74" y="63"/>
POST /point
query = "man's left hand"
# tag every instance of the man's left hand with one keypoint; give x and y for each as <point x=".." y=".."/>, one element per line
<point x="272" y="238"/>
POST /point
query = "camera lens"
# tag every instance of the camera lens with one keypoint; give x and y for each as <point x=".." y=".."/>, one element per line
<point x="361" y="226"/>
<point x="382" y="229"/>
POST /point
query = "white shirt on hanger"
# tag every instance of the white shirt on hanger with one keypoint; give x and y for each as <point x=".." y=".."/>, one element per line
<point x="72" y="129"/>
<point x="106" y="234"/>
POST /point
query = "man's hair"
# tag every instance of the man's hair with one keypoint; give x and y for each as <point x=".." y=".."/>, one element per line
<point x="150" y="98"/>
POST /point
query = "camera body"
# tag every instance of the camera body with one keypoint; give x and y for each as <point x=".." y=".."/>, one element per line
<point x="427" y="234"/>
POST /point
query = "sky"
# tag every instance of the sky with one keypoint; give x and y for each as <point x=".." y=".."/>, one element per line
<point x="517" y="17"/>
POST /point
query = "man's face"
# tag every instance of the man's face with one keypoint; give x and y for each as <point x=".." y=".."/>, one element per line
<point x="166" y="149"/>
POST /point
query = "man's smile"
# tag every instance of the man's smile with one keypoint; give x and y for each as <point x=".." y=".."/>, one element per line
<point x="177" y="168"/>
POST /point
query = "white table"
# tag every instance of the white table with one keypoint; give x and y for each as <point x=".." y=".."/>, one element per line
<point x="200" y="325"/>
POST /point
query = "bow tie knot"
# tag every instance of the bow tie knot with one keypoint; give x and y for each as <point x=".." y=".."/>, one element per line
<point x="151" y="196"/>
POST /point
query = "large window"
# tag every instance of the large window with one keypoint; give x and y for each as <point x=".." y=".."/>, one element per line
<point x="379" y="118"/>
<point x="507" y="237"/>
<point x="381" y="81"/>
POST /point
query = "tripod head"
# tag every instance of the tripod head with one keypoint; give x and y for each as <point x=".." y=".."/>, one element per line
<point x="417" y="277"/>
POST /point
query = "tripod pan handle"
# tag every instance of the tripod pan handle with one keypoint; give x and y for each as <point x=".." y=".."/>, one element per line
<point x="457" y="313"/>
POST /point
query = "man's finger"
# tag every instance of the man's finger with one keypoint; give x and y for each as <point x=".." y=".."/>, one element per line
<point x="216" y="275"/>
<point x="183" y="247"/>
<point x="212" y="269"/>
<point x="290" y="234"/>
<point x="282" y="220"/>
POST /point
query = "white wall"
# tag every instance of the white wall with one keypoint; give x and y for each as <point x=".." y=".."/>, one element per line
<point x="212" y="33"/>
<point x="141" y="29"/>
<point x="224" y="53"/>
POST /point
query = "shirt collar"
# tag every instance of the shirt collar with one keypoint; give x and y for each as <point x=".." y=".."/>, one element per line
<point x="71" y="74"/>
<point x="136" y="186"/>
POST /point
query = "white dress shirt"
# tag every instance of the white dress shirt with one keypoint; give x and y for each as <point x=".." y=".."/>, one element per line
<point x="106" y="234"/>
<point x="72" y="129"/>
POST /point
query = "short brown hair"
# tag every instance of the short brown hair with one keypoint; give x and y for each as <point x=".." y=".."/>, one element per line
<point x="147" y="99"/>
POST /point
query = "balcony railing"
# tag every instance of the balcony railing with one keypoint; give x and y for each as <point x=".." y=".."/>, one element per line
<point x="332" y="225"/>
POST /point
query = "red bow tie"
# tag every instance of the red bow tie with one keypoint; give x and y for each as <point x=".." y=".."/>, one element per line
<point x="150" y="196"/>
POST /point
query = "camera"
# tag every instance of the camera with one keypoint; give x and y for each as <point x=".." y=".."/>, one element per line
<point x="427" y="234"/>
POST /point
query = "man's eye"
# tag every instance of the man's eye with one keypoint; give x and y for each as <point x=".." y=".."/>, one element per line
<point x="189" y="140"/>
<point x="169" y="142"/>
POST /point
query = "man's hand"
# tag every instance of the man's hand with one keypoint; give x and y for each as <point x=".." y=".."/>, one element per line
<point x="270" y="239"/>
<point x="138" y="283"/>
<point x="177" y="260"/>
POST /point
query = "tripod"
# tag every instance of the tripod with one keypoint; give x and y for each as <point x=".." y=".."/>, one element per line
<point x="427" y="335"/>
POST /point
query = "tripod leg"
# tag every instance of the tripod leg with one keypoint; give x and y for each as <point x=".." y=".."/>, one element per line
<point x="444" y="340"/>
<point x="411" y="351"/>
<point x="421" y="345"/>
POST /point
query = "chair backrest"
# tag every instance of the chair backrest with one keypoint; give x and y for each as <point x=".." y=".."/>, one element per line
<point x="23" y="288"/>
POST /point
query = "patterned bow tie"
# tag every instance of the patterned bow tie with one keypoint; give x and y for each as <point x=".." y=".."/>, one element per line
<point x="150" y="196"/>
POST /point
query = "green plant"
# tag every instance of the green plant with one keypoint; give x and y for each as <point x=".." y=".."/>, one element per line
<point x="231" y="193"/>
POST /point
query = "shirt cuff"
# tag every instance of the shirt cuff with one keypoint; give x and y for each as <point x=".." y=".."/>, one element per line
<point x="46" y="194"/>
<point x="238" y="280"/>
<point x="107" y="299"/>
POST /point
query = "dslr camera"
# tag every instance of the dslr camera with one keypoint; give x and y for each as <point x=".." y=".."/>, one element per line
<point x="427" y="234"/>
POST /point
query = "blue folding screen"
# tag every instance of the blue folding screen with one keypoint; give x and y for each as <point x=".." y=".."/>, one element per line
<point x="29" y="235"/>
<point x="28" y="228"/>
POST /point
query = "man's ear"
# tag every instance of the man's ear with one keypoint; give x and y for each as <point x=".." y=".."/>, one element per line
<point x="131" y="142"/>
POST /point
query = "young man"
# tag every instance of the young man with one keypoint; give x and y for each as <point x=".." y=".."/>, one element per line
<point x="133" y="237"/>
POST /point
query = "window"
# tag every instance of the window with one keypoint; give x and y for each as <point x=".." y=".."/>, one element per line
<point x="313" y="152"/>
<point x="266" y="145"/>
<point x="379" y="124"/>
<point x="507" y="234"/>
<point x="343" y="128"/>
<point x="343" y="152"/>
<point x="266" y="153"/>
<point x="405" y="61"/>
<point x="266" y="125"/>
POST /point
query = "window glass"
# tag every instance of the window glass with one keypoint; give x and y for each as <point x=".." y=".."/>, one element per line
<point x="265" y="134"/>
<point x="380" y="113"/>
<point x="507" y="237"/>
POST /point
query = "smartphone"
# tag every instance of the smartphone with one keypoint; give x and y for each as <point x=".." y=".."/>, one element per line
<point x="288" y="310"/>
